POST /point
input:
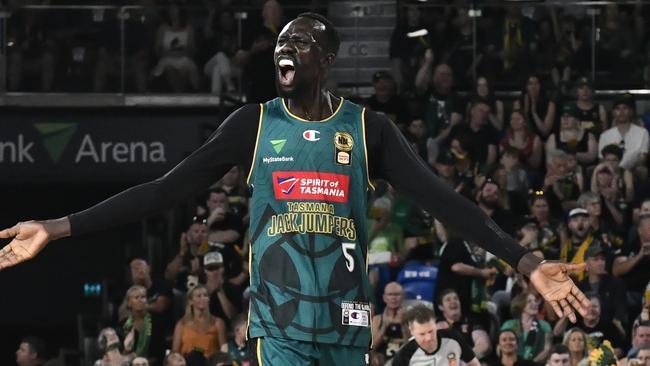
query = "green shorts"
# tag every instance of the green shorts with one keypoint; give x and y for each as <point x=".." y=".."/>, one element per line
<point x="287" y="352"/>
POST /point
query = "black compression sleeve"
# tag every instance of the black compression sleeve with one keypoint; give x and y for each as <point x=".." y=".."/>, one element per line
<point x="231" y="144"/>
<point x="392" y="158"/>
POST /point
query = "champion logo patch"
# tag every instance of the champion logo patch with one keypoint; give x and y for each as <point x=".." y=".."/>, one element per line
<point x="311" y="135"/>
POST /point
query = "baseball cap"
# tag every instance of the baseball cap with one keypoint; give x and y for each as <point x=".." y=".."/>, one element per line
<point x="584" y="81"/>
<point x="594" y="249"/>
<point x="578" y="212"/>
<point x="382" y="74"/>
<point x="571" y="109"/>
<point x="212" y="259"/>
<point x="627" y="99"/>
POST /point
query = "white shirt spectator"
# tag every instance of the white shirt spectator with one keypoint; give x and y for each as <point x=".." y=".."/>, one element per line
<point x="636" y="144"/>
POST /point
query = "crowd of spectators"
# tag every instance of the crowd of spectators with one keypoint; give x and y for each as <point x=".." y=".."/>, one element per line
<point x="565" y="175"/>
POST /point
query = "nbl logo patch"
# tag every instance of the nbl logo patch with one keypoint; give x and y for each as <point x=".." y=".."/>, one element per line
<point x="311" y="186"/>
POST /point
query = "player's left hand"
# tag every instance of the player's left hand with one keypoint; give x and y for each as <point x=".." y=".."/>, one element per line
<point x="552" y="281"/>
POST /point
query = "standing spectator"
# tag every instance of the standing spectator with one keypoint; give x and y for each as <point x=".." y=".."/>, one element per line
<point x="442" y="105"/>
<point x="198" y="331"/>
<point x="430" y="345"/>
<point x="516" y="181"/>
<point x="561" y="184"/>
<point x="460" y="50"/>
<point x="142" y="336"/>
<point x="600" y="222"/>
<point x="238" y="347"/>
<point x="592" y="115"/>
<point x="225" y="298"/>
<point x="609" y="288"/>
<point x="623" y="181"/>
<point x="406" y="52"/>
<point x="186" y="265"/>
<point x="480" y="135"/>
<point x="225" y="231"/>
<point x="575" y="340"/>
<point x="550" y="227"/>
<point x="175" y="46"/>
<point x="534" y="335"/>
<point x="572" y="138"/>
<point x="632" y="139"/>
<point x="451" y="309"/>
<point x="537" y="107"/>
<point x="108" y="344"/>
<point x="484" y="92"/>
<point x="387" y="326"/>
<point x="633" y="264"/>
<point x="220" y="44"/>
<point x="31" y="352"/>
<point x="506" y="352"/>
<point x="513" y="43"/>
<point x="519" y="136"/>
<point x="604" y="184"/>
<point x="386" y="100"/>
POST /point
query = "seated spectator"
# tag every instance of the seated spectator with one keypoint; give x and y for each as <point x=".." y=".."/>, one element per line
<point x="238" y="346"/>
<point x="536" y="107"/>
<point x="516" y="180"/>
<point x="387" y="332"/>
<point x="632" y="265"/>
<point x="450" y="307"/>
<point x="108" y="344"/>
<point x="580" y="239"/>
<point x="560" y="182"/>
<point x="559" y="356"/>
<point x="609" y="288"/>
<point x="235" y="187"/>
<point x="643" y="209"/>
<point x="550" y="228"/>
<point x="186" y="265"/>
<point x="623" y="182"/>
<point x="575" y="340"/>
<point x="140" y="361"/>
<point x="640" y="338"/>
<point x="534" y="335"/>
<point x="31" y="352"/>
<point x="488" y="200"/>
<point x="480" y="135"/>
<point x="175" y="48"/>
<point x="596" y="327"/>
<point x="520" y="137"/>
<point x="385" y="238"/>
<point x="643" y="356"/>
<point x="416" y="135"/>
<point x="225" y="297"/>
<point x="430" y="345"/>
<point x="591" y="115"/>
<point x="385" y="99"/>
<point x="600" y="222"/>
<point x="572" y="138"/>
<point x="484" y="93"/>
<point x="506" y="351"/>
<point x="198" y="331"/>
<point x="174" y="359"/>
<point x="632" y="139"/>
<point x="143" y="338"/>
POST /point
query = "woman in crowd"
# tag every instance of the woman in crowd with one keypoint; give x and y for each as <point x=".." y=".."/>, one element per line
<point x="538" y="108"/>
<point x="141" y="337"/>
<point x="519" y="136"/>
<point x="506" y="351"/>
<point x="484" y="93"/>
<point x="534" y="336"/>
<point x="572" y="138"/>
<point x="198" y="331"/>
<point x="575" y="339"/>
<point x="108" y="344"/>
<point x="549" y="227"/>
<point x="592" y="115"/>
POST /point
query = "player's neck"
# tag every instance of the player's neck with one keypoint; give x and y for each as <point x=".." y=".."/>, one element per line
<point x="315" y="106"/>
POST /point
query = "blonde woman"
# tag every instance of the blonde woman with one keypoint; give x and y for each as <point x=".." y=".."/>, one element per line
<point x="198" y="330"/>
<point x="140" y="337"/>
<point x="575" y="339"/>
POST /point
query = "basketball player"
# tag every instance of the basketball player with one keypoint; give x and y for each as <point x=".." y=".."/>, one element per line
<point x="311" y="157"/>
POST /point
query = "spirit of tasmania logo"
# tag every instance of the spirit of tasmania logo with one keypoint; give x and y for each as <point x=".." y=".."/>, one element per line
<point x="311" y="186"/>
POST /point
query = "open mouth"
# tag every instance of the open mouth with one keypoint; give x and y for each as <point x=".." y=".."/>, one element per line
<point x="286" y="71"/>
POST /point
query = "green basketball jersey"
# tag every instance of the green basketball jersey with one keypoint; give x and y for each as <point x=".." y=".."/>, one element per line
<point x="308" y="229"/>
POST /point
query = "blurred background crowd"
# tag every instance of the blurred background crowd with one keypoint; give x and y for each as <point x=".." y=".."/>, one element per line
<point x="521" y="108"/>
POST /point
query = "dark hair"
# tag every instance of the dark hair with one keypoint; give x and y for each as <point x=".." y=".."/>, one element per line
<point x="559" y="349"/>
<point x="636" y="326"/>
<point x="444" y="293"/>
<point x="612" y="149"/>
<point x="332" y="40"/>
<point x="420" y="313"/>
<point x="36" y="345"/>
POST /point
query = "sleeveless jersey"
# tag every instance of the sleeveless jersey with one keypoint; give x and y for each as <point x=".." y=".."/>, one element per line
<point x="308" y="229"/>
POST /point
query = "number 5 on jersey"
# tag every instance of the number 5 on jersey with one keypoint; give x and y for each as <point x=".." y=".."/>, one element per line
<point x="348" y="253"/>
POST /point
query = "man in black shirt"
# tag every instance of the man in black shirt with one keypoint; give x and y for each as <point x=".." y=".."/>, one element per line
<point x="633" y="265"/>
<point x="429" y="345"/>
<point x="305" y="50"/>
<point x="386" y="101"/>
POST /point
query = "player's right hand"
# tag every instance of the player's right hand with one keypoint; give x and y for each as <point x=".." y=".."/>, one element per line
<point x="29" y="238"/>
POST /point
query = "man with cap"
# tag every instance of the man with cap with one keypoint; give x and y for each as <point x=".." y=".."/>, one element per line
<point x="609" y="288"/>
<point x="632" y="138"/>
<point x="225" y="300"/>
<point x="386" y="100"/>
<point x="592" y="115"/>
<point x="574" y="249"/>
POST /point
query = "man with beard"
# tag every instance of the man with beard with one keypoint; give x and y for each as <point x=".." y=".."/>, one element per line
<point x="489" y="202"/>
<point x="573" y="250"/>
<point x="310" y="158"/>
